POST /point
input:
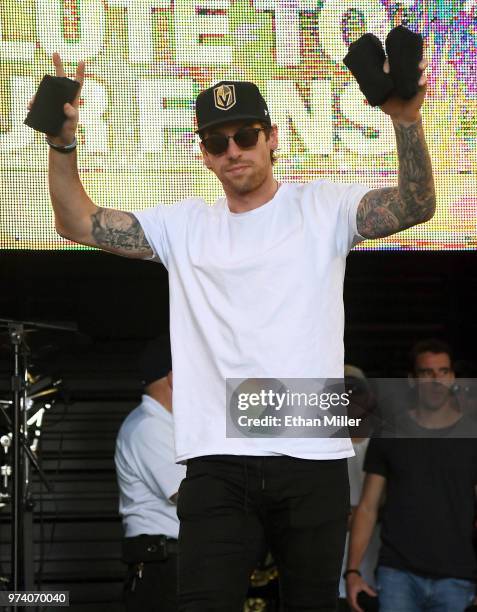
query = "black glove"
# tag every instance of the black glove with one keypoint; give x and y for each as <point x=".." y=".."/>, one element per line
<point x="46" y="114"/>
<point x="365" y="59"/>
<point x="405" y="50"/>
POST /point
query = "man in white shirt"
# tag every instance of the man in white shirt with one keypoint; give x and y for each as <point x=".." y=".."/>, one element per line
<point x="149" y="479"/>
<point x="256" y="286"/>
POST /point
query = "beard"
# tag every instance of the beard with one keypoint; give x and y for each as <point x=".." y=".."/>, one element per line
<point x="434" y="397"/>
<point x="250" y="179"/>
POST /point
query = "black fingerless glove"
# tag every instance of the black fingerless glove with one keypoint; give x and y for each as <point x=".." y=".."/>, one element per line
<point x="46" y="114"/>
<point x="405" y="51"/>
<point x="365" y="59"/>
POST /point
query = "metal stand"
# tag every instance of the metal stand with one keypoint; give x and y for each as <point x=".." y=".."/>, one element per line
<point x="16" y="338"/>
<point x="22" y="557"/>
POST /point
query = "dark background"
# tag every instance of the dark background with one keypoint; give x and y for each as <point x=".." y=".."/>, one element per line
<point x="391" y="300"/>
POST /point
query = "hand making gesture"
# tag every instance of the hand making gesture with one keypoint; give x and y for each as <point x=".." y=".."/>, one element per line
<point x="68" y="130"/>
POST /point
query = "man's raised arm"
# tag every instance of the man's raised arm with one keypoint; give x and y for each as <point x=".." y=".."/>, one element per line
<point x="383" y="212"/>
<point x="77" y="217"/>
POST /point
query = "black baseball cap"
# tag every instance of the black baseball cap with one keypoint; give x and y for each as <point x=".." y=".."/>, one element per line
<point x="230" y="101"/>
<point x="155" y="361"/>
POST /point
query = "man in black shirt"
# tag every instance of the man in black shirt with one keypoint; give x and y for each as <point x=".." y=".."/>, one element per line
<point x="429" y="473"/>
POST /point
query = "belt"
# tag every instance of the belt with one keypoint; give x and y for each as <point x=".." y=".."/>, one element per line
<point x="144" y="548"/>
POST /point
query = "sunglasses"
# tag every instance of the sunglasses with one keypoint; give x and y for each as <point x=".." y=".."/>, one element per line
<point x="245" y="138"/>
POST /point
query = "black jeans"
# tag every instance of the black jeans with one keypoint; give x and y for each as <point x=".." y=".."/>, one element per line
<point x="156" y="591"/>
<point x="232" y="507"/>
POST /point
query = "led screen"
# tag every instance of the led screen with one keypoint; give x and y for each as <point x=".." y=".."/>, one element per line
<point x="146" y="60"/>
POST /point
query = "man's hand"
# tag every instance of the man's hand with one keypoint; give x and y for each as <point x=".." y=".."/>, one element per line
<point x="406" y="112"/>
<point x="67" y="134"/>
<point x="354" y="585"/>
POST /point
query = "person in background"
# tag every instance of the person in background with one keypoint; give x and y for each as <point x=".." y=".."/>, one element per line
<point x="428" y="470"/>
<point x="362" y="406"/>
<point x="149" y="479"/>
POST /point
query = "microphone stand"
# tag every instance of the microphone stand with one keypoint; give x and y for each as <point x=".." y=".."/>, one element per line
<point x="22" y="559"/>
<point x="16" y="332"/>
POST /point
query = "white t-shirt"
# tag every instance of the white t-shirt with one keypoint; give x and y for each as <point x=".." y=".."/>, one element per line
<point x="254" y="295"/>
<point x="147" y="473"/>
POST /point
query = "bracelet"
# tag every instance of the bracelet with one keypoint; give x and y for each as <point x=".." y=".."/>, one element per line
<point x="351" y="571"/>
<point x="63" y="149"/>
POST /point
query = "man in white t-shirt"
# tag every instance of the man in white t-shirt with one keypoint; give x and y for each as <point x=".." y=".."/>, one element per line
<point x="256" y="286"/>
<point x="149" y="480"/>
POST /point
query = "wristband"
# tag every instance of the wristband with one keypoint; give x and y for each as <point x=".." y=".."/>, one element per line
<point x="351" y="571"/>
<point x="63" y="149"/>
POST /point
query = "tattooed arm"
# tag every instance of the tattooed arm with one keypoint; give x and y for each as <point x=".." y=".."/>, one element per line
<point x="383" y="212"/>
<point x="80" y="220"/>
<point x="119" y="232"/>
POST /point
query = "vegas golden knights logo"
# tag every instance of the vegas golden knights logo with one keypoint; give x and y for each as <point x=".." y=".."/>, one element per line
<point x="224" y="97"/>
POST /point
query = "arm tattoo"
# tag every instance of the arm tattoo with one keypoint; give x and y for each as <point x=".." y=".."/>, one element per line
<point x="119" y="231"/>
<point x="383" y="212"/>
